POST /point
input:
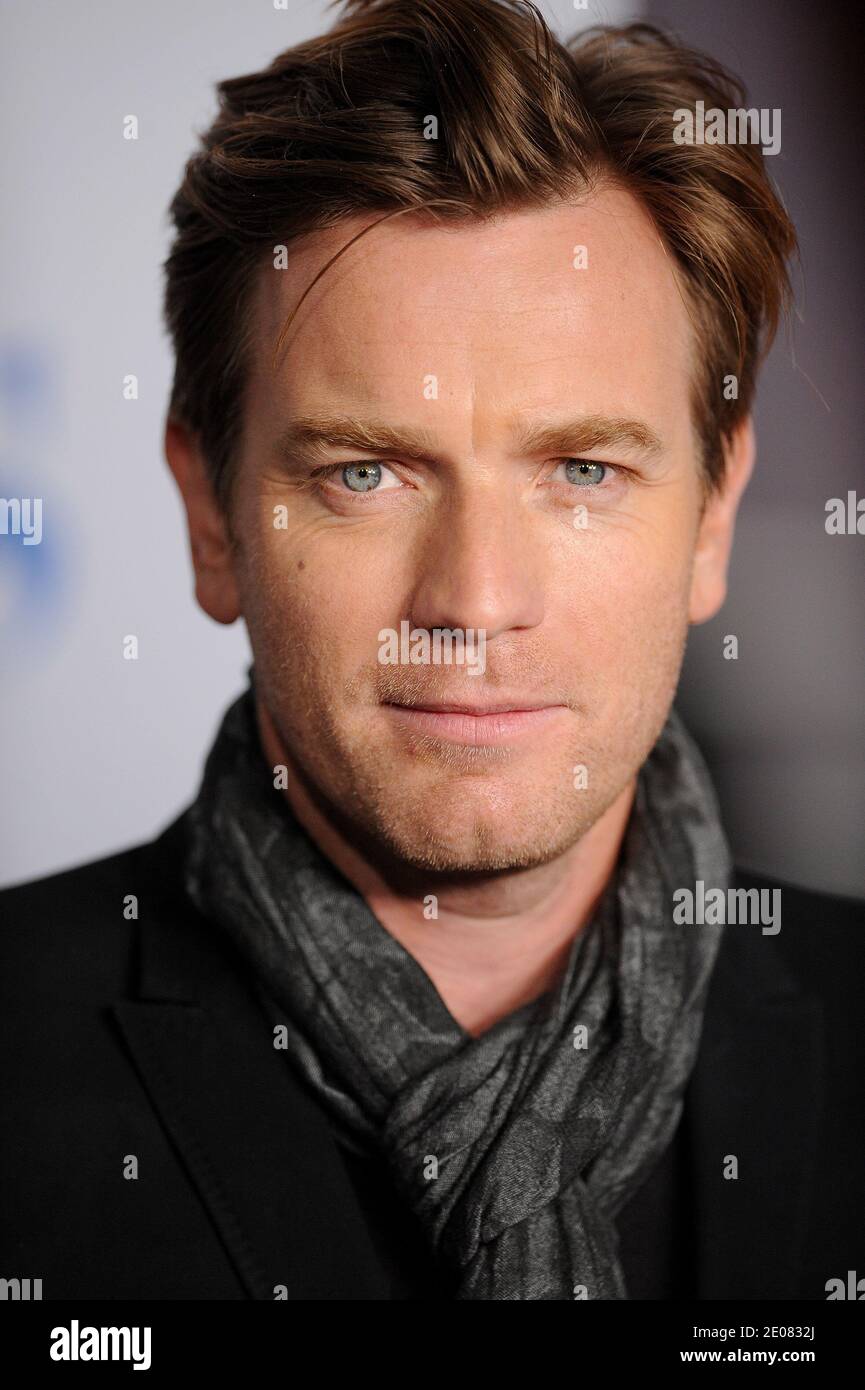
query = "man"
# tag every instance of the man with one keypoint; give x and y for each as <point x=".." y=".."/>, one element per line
<point x="445" y="986"/>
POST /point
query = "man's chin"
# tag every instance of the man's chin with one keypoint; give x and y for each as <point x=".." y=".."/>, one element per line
<point x="483" y="846"/>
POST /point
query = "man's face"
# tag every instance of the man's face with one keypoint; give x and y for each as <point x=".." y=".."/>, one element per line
<point x="578" y="575"/>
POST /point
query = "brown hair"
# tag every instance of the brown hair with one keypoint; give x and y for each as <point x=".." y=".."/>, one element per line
<point x="335" y="127"/>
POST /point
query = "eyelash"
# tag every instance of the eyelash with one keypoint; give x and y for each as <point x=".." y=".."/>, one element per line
<point x="327" y="471"/>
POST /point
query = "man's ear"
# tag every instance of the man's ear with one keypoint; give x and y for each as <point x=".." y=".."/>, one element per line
<point x="209" y="538"/>
<point x="715" y="534"/>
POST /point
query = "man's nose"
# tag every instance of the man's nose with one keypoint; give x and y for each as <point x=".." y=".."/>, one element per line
<point x="479" y="565"/>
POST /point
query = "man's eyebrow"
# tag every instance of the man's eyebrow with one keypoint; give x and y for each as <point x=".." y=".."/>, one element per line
<point x="312" y="435"/>
<point x="588" y="432"/>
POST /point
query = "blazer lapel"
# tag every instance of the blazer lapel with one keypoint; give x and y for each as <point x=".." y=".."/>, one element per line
<point x="754" y="1095"/>
<point x="258" y="1151"/>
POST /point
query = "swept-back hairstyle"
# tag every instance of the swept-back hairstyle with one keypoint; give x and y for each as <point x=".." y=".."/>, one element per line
<point x="336" y="126"/>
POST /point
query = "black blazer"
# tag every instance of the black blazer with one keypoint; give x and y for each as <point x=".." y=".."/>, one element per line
<point x="149" y="1040"/>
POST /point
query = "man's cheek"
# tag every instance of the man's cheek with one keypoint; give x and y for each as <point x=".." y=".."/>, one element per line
<point x="638" y="640"/>
<point x="280" y="579"/>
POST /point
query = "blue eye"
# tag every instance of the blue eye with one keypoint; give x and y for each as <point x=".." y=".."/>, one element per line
<point x="365" y="475"/>
<point x="362" y="477"/>
<point x="583" y="472"/>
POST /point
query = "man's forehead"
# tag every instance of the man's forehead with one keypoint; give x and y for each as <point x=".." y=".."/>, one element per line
<point x="574" y="302"/>
<point x="560" y="255"/>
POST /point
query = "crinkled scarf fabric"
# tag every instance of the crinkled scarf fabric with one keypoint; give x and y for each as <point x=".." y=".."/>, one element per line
<point x="516" y="1148"/>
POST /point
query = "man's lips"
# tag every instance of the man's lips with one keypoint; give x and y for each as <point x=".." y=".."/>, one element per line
<point x="500" y="721"/>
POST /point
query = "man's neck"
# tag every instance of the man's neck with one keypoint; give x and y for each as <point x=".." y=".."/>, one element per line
<point x="493" y="945"/>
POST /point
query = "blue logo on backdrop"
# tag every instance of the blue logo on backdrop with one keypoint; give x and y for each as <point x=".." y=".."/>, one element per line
<point x="34" y="549"/>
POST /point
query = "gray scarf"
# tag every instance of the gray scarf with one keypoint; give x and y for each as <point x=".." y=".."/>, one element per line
<point x="518" y="1148"/>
